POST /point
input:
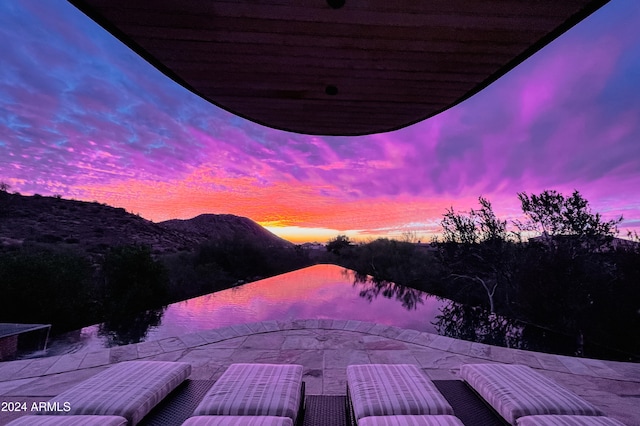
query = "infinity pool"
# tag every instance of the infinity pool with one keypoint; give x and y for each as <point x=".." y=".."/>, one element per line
<point x="317" y="292"/>
<point x="320" y="291"/>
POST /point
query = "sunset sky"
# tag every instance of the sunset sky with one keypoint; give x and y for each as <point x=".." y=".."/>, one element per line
<point x="84" y="117"/>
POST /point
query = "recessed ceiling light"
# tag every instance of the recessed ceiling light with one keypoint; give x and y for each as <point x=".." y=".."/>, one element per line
<point x="335" y="4"/>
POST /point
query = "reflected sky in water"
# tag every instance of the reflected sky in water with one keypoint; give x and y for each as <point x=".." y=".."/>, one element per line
<point x="320" y="291"/>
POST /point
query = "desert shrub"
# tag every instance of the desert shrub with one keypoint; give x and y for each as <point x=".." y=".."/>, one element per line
<point x="49" y="238"/>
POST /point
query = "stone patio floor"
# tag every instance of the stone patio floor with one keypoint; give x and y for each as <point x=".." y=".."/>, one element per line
<point x="325" y="348"/>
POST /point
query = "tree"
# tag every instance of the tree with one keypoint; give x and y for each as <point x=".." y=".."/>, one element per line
<point x="46" y="286"/>
<point x="479" y="226"/>
<point x="475" y="248"/>
<point x="4" y="198"/>
<point x="134" y="281"/>
<point x="458" y="228"/>
<point x="575" y="280"/>
<point x="551" y="214"/>
<point x="340" y="242"/>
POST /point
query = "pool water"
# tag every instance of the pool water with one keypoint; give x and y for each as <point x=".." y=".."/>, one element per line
<point x="320" y="291"/>
<point x="323" y="292"/>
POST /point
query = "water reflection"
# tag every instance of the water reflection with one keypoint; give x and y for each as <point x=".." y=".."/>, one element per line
<point x="478" y="325"/>
<point x="132" y="328"/>
<point x="371" y="288"/>
<point x="471" y="323"/>
<point x="320" y="292"/>
<point x="453" y="319"/>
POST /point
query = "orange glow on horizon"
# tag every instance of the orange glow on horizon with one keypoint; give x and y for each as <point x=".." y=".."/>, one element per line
<point x="286" y="288"/>
<point x="290" y="209"/>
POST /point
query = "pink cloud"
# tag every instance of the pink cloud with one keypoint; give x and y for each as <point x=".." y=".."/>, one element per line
<point x="85" y="117"/>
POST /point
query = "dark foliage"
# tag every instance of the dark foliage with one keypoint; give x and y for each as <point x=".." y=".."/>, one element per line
<point x="401" y="262"/>
<point x="575" y="278"/>
<point x="130" y="327"/>
<point x="479" y="325"/>
<point x="371" y="288"/>
<point x="338" y="244"/>
<point x="133" y="281"/>
<point x="552" y="214"/>
<point x="219" y="264"/>
<point x="44" y="286"/>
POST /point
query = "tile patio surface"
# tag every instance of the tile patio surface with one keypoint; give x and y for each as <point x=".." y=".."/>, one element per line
<point x="325" y="348"/>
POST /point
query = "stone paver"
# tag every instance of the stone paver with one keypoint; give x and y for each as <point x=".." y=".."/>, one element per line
<point x="378" y="343"/>
<point x="147" y="349"/>
<point x="37" y="367"/>
<point x="312" y="378"/>
<point x="334" y="381"/>
<point x="462" y="347"/>
<point x="193" y="339"/>
<point x="442" y="342"/>
<point x="171" y="344"/>
<point x="264" y="341"/>
<point x="211" y="336"/>
<point x="9" y="370"/>
<point x="49" y="386"/>
<point x="423" y="339"/>
<point x="97" y="358"/>
<point x="302" y="342"/>
<point x="8" y="386"/>
<point x="124" y="353"/>
<point x="341" y="358"/>
<point x="521" y="357"/>
<point x="324" y="348"/>
<point x="232" y="343"/>
<point x="257" y="327"/>
<point x="66" y="363"/>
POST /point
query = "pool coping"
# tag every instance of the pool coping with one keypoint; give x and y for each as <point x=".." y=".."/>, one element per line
<point x="615" y="370"/>
<point x="325" y="347"/>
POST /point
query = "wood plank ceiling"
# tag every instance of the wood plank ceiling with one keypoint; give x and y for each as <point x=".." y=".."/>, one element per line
<point x="335" y="67"/>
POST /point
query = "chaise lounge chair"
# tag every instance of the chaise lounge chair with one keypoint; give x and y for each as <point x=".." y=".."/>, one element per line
<point x="526" y="398"/>
<point x="395" y="395"/>
<point x="253" y="395"/>
<point x="69" y="421"/>
<point x="127" y="390"/>
<point x="556" y="420"/>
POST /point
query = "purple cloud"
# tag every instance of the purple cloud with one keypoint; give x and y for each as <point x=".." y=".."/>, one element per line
<point x="81" y="114"/>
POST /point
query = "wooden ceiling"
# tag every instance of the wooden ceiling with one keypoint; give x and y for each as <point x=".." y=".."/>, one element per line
<point x="330" y="67"/>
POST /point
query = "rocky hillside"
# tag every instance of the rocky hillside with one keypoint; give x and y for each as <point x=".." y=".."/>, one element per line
<point x="220" y="227"/>
<point x="93" y="227"/>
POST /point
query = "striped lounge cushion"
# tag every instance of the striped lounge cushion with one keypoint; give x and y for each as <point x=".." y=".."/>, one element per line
<point x="393" y="389"/>
<point x="69" y="421"/>
<point x="410" y="421"/>
<point x="129" y="389"/>
<point x="567" y="421"/>
<point x="255" y="390"/>
<point x="517" y="390"/>
<point x="238" y="421"/>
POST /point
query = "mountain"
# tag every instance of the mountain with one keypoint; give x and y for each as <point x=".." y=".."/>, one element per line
<point x="94" y="227"/>
<point x="220" y="227"/>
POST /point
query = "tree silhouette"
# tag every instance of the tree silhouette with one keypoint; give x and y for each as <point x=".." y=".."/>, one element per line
<point x="552" y="214"/>
<point x="475" y="249"/>
<point x="339" y="243"/>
